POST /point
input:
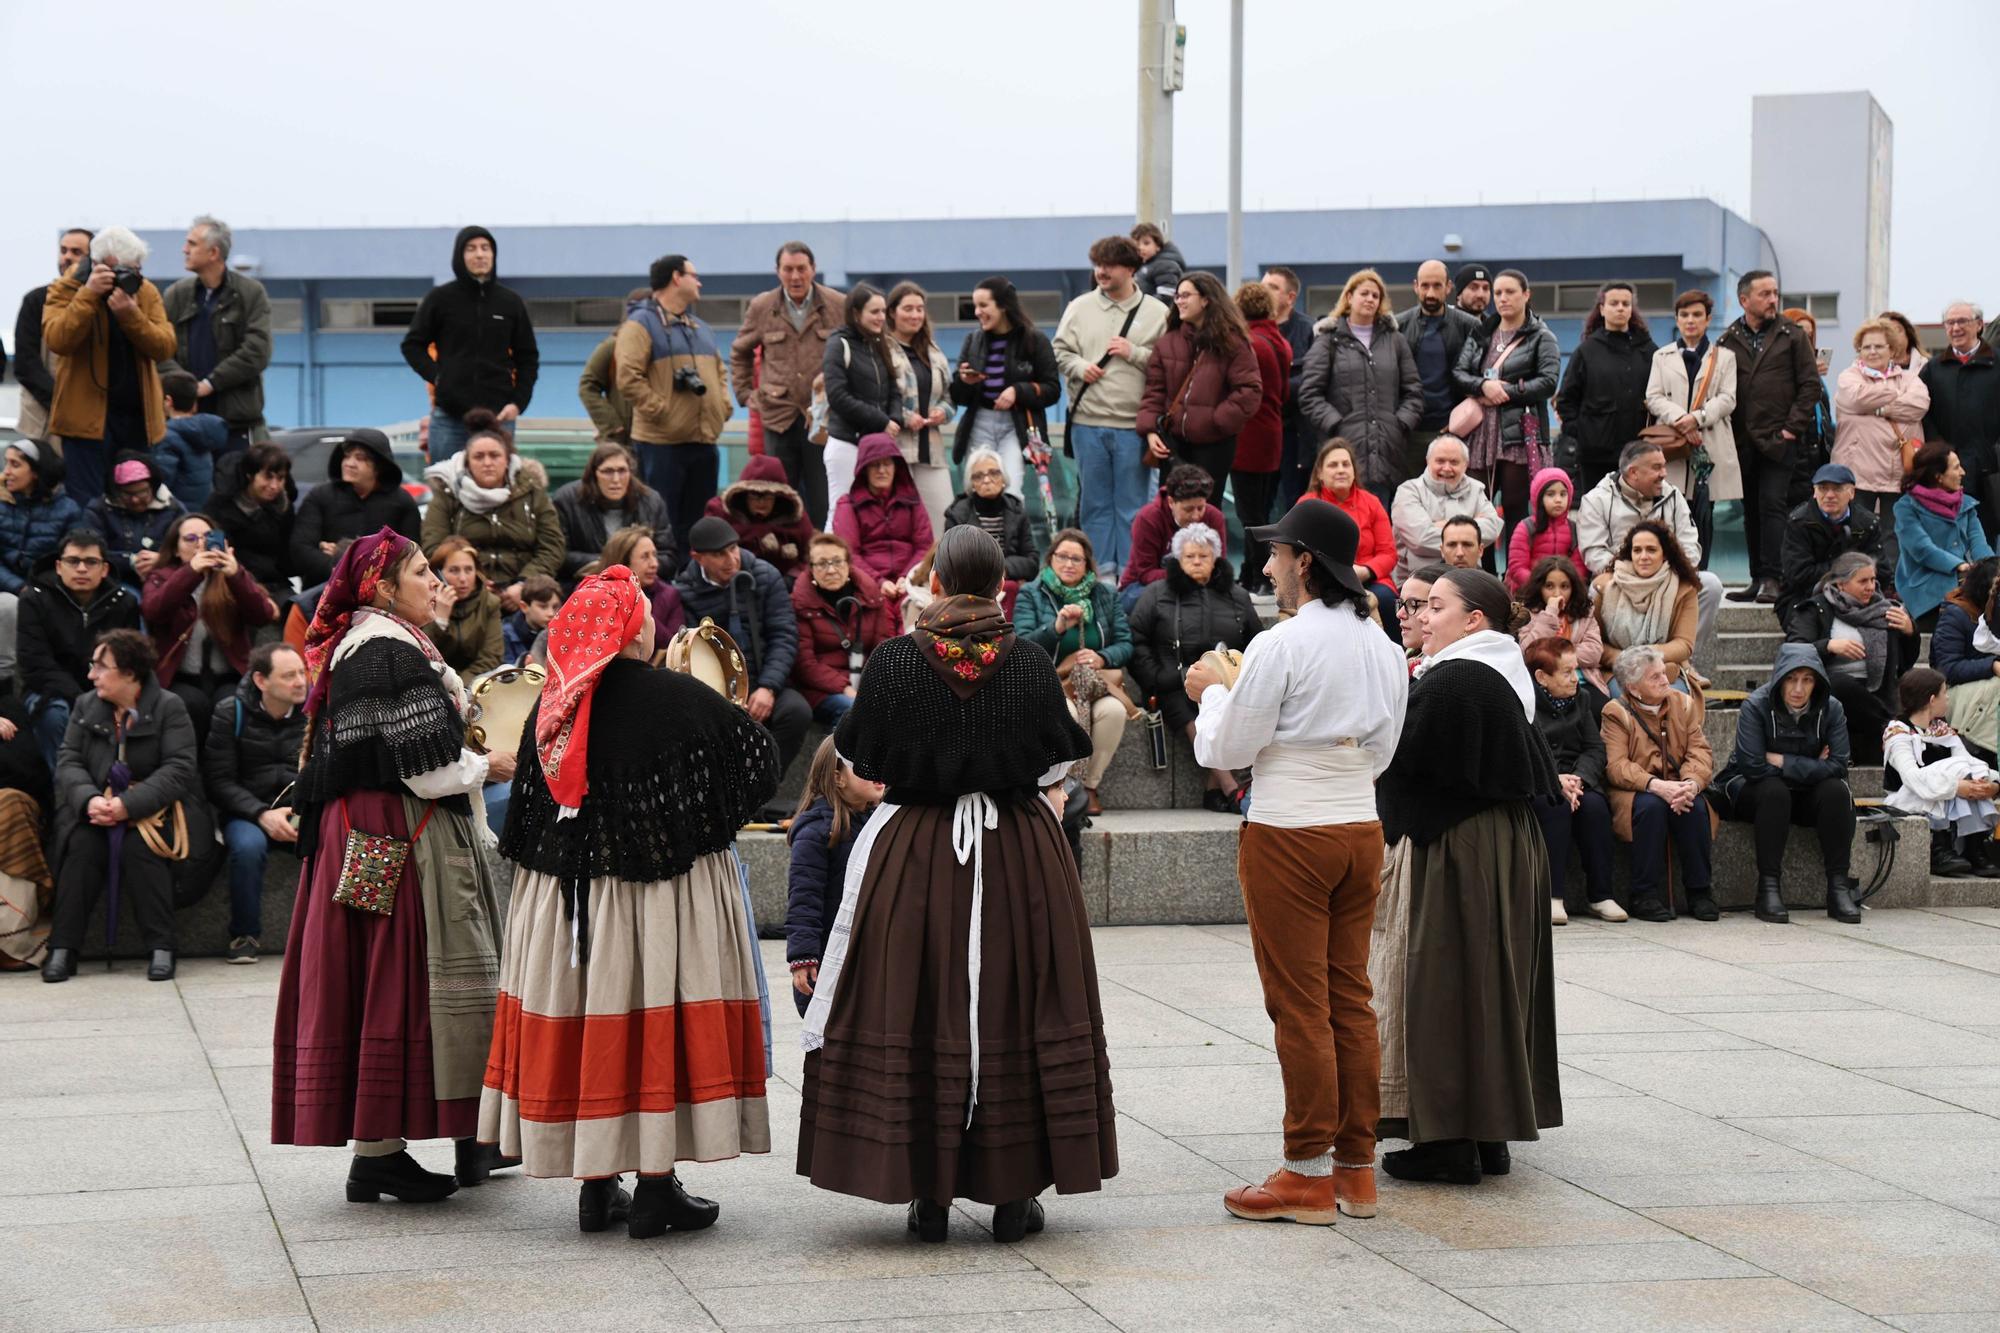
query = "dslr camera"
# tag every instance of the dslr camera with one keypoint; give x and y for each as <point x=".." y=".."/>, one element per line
<point x="123" y="277"/>
<point x="688" y="380"/>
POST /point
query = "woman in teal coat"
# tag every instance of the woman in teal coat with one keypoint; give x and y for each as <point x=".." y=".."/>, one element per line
<point x="1937" y="531"/>
<point x="1073" y="616"/>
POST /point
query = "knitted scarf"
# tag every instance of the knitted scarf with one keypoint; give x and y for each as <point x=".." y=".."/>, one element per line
<point x="453" y="475"/>
<point x="1871" y="618"/>
<point x="1943" y="503"/>
<point x="965" y="639"/>
<point x="1636" y="611"/>
<point x="1080" y="595"/>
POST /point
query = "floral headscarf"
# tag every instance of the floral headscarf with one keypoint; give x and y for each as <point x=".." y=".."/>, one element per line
<point x="965" y="639"/>
<point x="352" y="586"/>
<point x="606" y="612"/>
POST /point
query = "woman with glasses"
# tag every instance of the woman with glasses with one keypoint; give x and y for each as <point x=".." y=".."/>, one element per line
<point x="610" y="495"/>
<point x="987" y="504"/>
<point x="842" y="619"/>
<point x="200" y="605"/>
<point x="1074" y="617"/>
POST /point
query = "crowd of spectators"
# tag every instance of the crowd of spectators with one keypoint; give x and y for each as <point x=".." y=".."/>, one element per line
<point x="158" y="556"/>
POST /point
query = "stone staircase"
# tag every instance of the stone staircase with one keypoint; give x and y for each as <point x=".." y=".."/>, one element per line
<point x="1156" y="857"/>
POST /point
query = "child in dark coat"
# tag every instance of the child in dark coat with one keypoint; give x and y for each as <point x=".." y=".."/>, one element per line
<point x="832" y="810"/>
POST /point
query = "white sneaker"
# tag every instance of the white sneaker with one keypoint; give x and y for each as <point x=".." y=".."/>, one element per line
<point x="1558" y="914"/>
<point x="1608" y="910"/>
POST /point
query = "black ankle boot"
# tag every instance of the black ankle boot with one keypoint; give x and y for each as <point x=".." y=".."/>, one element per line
<point x="1453" y="1160"/>
<point x="1840" y="904"/>
<point x="1946" y="863"/>
<point x="1495" y="1159"/>
<point x="931" y="1221"/>
<point x="398" y="1175"/>
<point x="60" y="965"/>
<point x="659" y="1202"/>
<point x="600" y="1204"/>
<point x="1012" y="1221"/>
<point x="1770" y="902"/>
<point x="162" y="966"/>
<point x="474" y="1161"/>
<point x="1984" y="856"/>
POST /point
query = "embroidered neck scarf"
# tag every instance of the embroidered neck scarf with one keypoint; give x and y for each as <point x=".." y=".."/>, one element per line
<point x="965" y="639"/>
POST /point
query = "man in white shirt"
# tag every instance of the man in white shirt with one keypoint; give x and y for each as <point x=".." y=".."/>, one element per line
<point x="1315" y="711"/>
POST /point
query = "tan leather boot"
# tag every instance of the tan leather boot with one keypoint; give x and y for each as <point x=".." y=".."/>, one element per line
<point x="1286" y="1196"/>
<point x="1354" y="1187"/>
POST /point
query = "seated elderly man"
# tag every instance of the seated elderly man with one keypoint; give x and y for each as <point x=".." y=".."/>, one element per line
<point x="1640" y="489"/>
<point x="1790" y="767"/>
<point x="1656" y="770"/>
<point x="1824" y="527"/>
<point x="1424" y="503"/>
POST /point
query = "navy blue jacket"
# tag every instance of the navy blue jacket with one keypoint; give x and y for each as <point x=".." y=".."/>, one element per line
<point x="814" y="883"/>
<point x="1952" y="652"/>
<point x="30" y="528"/>
<point x="126" y="533"/>
<point x="186" y="458"/>
<point x="767" y="630"/>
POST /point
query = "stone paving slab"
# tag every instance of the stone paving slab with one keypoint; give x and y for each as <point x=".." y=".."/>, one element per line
<point x="1766" y="1127"/>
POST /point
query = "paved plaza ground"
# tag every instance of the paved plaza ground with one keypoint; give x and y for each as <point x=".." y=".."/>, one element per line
<point x="1768" y="1127"/>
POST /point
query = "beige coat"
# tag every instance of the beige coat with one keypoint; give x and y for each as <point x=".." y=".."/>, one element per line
<point x="784" y="389"/>
<point x="1632" y="758"/>
<point x="1868" y="415"/>
<point x="1667" y="396"/>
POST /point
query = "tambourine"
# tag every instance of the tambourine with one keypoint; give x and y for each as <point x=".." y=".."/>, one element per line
<point x="1226" y="663"/>
<point x="707" y="653"/>
<point x="501" y="702"/>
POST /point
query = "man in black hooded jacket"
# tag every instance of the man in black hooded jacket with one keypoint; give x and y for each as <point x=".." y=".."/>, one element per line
<point x="472" y="342"/>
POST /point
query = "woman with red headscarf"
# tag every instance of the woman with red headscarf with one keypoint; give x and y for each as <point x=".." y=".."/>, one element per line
<point x="385" y="1007"/>
<point x="629" y="1035"/>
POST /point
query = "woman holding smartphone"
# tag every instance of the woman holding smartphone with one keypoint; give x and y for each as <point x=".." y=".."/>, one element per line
<point x="1006" y="381"/>
<point x="200" y="604"/>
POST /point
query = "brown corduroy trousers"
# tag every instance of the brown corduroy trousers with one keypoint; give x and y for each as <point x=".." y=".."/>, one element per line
<point x="1310" y="895"/>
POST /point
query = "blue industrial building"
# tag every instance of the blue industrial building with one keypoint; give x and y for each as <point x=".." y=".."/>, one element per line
<point x="341" y="296"/>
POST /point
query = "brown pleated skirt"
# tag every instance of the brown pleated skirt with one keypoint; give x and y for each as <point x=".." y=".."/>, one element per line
<point x="885" y="1100"/>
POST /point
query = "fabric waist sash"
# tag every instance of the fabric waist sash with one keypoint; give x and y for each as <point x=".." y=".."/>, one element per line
<point x="1304" y="786"/>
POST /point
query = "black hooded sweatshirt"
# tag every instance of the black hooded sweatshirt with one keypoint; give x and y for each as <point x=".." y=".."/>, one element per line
<point x="486" y="353"/>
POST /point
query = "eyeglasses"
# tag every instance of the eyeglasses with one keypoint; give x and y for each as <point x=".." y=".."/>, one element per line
<point x="1409" y="606"/>
<point x="1061" y="559"/>
<point x="1957" y="323"/>
<point x="838" y="562"/>
<point x="79" y="561"/>
<point x="988" y="474"/>
<point x="614" y="472"/>
<point x="190" y="538"/>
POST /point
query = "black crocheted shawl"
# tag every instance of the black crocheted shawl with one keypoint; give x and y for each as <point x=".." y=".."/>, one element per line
<point x="908" y="730"/>
<point x="387" y="717"/>
<point x="675" y="770"/>
<point x="1466" y="748"/>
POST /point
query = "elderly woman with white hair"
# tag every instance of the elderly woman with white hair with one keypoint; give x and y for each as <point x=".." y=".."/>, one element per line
<point x="109" y="328"/>
<point x="1656" y="770"/>
<point x="987" y="503"/>
<point x="1199" y="605"/>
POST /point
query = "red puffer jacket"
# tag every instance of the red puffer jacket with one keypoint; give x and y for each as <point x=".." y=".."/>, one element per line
<point x="885" y="534"/>
<point x="822" y="664"/>
<point x="1223" y="398"/>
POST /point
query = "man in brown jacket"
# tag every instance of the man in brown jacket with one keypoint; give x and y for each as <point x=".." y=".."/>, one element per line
<point x="791" y="323"/>
<point x="110" y="328"/>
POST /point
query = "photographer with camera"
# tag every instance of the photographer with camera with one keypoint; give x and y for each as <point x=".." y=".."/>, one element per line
<point x="674" y="377"/>
<point x="109" y="327"/>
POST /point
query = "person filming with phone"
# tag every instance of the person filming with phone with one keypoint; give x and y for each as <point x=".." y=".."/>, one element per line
<point x="200" y="605"/>
<point x="109" y="328"/>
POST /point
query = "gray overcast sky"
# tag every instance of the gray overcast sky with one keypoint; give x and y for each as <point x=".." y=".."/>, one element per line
<point x="616" y="110"/>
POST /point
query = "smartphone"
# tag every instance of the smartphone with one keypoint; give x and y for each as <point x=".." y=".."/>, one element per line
<point x="216" y="540"/>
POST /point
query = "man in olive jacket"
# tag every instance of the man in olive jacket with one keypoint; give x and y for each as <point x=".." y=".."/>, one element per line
<point x="222" y="337"/>
<point x="1777" y="387"/>
<point x="791" y="324"/>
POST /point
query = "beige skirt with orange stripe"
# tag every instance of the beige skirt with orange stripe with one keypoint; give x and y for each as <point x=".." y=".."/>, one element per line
<point x="648" y="1052"/>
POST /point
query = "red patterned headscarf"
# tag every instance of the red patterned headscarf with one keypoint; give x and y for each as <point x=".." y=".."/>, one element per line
<point x="606" y="612"/>
<point x="352" y="586"/>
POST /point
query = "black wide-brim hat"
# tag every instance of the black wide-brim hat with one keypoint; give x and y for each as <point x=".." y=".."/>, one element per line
<point x="1326" y="531"/>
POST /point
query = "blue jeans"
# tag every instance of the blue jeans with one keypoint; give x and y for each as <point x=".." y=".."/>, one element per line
<point x="1113" y="485"/>
<point x="831" y="709"/>
<point x="497" y="795"/>
<point x="449" y="434"/>
<point x="249" y="847"/>
<point x="1128" y="596"/>
<point x="51" y="721"/>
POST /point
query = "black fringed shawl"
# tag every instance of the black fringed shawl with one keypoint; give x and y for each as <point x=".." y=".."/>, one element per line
<point x="1466" y="747"/>
<point x="387" y="717"/>
<point x="675" y="770"/>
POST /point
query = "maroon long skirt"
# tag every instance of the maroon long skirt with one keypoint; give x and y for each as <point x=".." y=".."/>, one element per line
<point x="353" y="1037"/>
<point x="885" y="1100"/>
